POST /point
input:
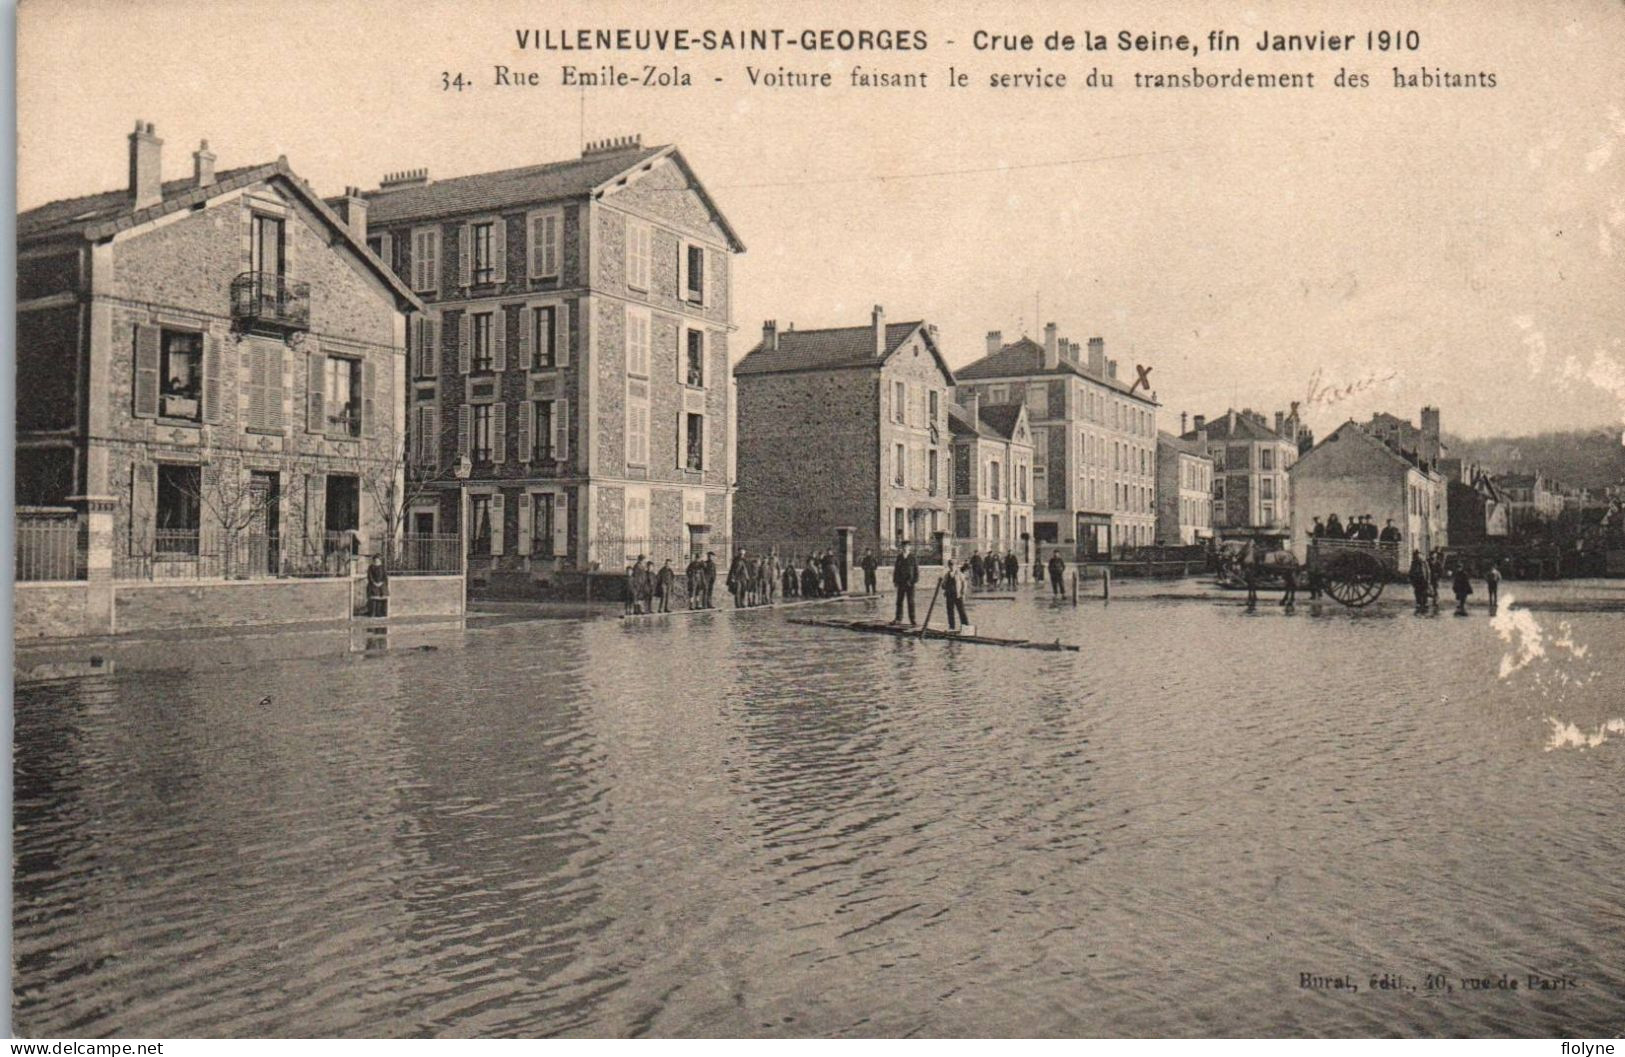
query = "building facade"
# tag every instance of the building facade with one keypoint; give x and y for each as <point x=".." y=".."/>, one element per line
<point x="1351" y="473"/>
<point x="1184" y="492"/>
<point x="1251" y="463"/>
<point x="1534" y="501"/>
<point x="992" y="477"/>
<point x="570" y="395"/>
<point x="1094" y="439"/>
<point x="844" y="428"/>
<point x="218" y="359"/>
<point x="1477" y="509"/>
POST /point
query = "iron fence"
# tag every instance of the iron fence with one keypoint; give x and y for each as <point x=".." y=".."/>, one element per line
<point x="48" y="548"/>
<point x="437" y="554"/>
<point x="193" y="554"/>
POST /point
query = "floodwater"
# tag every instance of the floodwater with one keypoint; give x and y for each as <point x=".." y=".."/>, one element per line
<point x="734" y="825"/>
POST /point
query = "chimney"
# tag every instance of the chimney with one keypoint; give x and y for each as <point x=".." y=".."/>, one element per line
<point x="1201" y="432"/>
<point x="1199" y="423"/>
<point x="1052" y="353"/>
<point x="1111" y="368"/>
<point x="1432" y="446"/>
<point x="974" y="409"/>
<point x="995" y="341"/>
<point x="1182" y="417"/>
<point x="1280" y="421"/>
<point x="877" y="319"/>
<point x="202" y="165"/>
<point x="146" y="174"/>
<point x="770" y="334"/>
<point x="352" y="209"/>
<point x="1097" y="356"/>
<point x="1230" y="417"/>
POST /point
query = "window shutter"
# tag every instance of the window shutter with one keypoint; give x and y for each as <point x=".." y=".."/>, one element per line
<point x="211" y="378"/>
<point x="274" y="391"/>
<point x="561" y="430"/>
<point x="465" y="255"/>
<point x="431" y="345"/>
<point x="499" y="431"/>
<point x="499" y="340"/>
<point x="561" y="524"/>
<point x="462" y="342"/>
<point x="533" y="250"/>
<point x="147" y="341"/>
<point x="256" y="386"/>
<point x="432" y="431"/>
<point x="550" y="245"/>
<point x="498" y="521"/>
<point x="369" y="379"/>
<point x="561" y="334"/>
<point x="680" y="445"/>
<point x="415" y="337"/>
<point x="521" y="338"/>
<point x="386" y="252"/>
<point x="682" y="270"/>
<point x="527" y="425"/>
<point x="499" y="246"/>
<point x="699" y="280"/>
<point x="315" y="382"/>
<point x="522" y="544"/>
<point x="462" y="430"/>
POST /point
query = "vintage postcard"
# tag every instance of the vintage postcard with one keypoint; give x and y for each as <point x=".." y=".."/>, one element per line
<point x="779" y="520"/>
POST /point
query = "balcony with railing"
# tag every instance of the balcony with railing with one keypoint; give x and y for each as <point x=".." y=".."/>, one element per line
<point x="265" y="299"/>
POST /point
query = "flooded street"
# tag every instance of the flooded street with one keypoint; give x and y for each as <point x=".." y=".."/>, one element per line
<point x="732" y="825"/>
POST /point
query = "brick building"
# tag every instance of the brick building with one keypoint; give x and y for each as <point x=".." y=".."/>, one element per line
<point x="211" y="359"/>
<point x="1094" y="439"/>
<point x="1184" y="491"/>
<point x="844" y="428"/>
<point x="1352" y="473"/>
<point x="992" y="476"/>
<point x="1251" y="487"/>
<point x="570" y="392"/>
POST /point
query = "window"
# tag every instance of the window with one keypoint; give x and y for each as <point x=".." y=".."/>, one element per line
<point x="267" y="253"/>
<point x="342" y="396"/>
<point x="1038" y="401"/>
<point x="484" y="245"/>
<point x="931" y="468"/>
<point x="479" y="523"/>
<point x="428" y="434"/>
<point x="637" y="426"/>
<point x="482" y="346"/>
<point x="180" y="373"/>
<point x="637" y="341"/>
<point x="1218" y="488"/>
<point x="997" y="394"/>
<point x="695" y="283"/>
<point x="694" y="442"/>
<point x="899" y="465"/>
<point x="899" y="522"/>
<point x="639" y="253"/>
<point x="426" y="259"/>
<point x="1266" y="488"/>
<point x="1266" y="459"/>
<point x="541" y="525"/>
<point x="544" y="244"/>
<point x="694" y="362"/>
<point x="544" y="337"/>
<point x="481" y="432"/>
<point x="176" y="519"/>
<point x="899" y="401"/>
<point x="1218" y="460"/>
<point x="1021" y="482"/>
<point x="637" y="522"/>
<point x="1267" y="513"/>
<point x="993" y="479"/>
<point x="935" y="407"/>
<point x="542" y="431"/>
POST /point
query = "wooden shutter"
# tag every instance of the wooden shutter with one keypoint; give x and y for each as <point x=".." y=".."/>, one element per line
<point x="697" y="281"/>
<point x="465" y="255"/>
<point x="499" y="249"/>
<point x="521" y="338"/>
<point x="462" y="430"/>
<point x="256" y="385"/>
<point x="148" y="340"/>
<point x="211" y="378"/>
<point x="315" y="393"/>
<point x="681" y="437"/>
<point x="527" y="425"/>
<point x="561" y="429"/>
<point x="499" y="339"/>
<point x="386" y="252"/>
<point x="522" y="544"/>
<point x="462" y="342"/>
<point x="498" y="519"/>
<point x="534" y="249"/>
<point x="561" y="524"/>
<point x="369" y="379"/>
<point x="275" y="386"/>
<point x="499" y="431"/>
<point x="431" y="344"/>
<point x="561" y="334"/>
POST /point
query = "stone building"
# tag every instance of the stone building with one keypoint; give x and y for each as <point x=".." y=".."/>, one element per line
<point x="1094" y="439"/>
<point x="1353" y="473"/>
<point x="1184" y="491"/>
<point x="992" y="477"/>
<point x="216" y="360"/>
<point x="570" y="395"/>
<point x="1533" y="500"/>
<point x="1477" y="508"/>
<point x="844" y="427"/>
<point x="1251" y="487"/>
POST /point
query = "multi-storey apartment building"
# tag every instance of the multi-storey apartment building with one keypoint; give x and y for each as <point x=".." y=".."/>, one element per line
<point x="1251" y="489"/>
<point x="1094" y="439"/>
<point x="844" y="427"/>
<point x="1184" y="491"/>
<point x="210" y="357"/>
<point x="992" y="476"/>
<point x="1533" y="501"/>
<point x="570" y="391"/>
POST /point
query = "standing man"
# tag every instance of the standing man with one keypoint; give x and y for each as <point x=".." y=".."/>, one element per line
<point x="377" y="588"/>
<point x="737" y="576"/>
<point x="976" y="569"/>
<point x="1334" y="527"/>
<point x="1390" y="534"/>
<point x="708" y="579"/>
<point x="869" y="566"/>
<point x="904" y="575"/>
<point x="1420" y="580"/>
<point x="1289" y="576"/>
<point x="1435" y="576"/>
<point x="632" y="575"/>
<point x="953" y="593"/>
<point x="1249" y="572"/>
<point x="1492" y="580"/>
<point x="1057" y="570"/>
<point x="1462" y="585"/>
<point x="832" y="575"/>
<point x="664" y="583"/>
<point x="1012" y="568"/>
<point x="1318" y="531"/>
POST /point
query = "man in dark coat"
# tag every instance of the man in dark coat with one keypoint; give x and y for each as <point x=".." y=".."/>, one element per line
<point x="869" y="566"/>
<point x="809" y="579"/>
<point x="1390" y="534"/>
<point x="976" y="569"/>
<point x="953" y="595"/>
<point x="665" y="580"/>
<point x="708" y="578"/>
<point x="1435" y="576"/>
<point x="832" y="575"/>
<point x="904" y="575"/>
<point x="739" y="578"/>
<point x="1462" y="584"/>
<point x="1318" y="531"/>
<point x="1057" y="570"/>
<point x="1420" y="580"/>
<point x="1012" y="568"/>
<point x="1334" y="527"/>
<point x="1368" y="529"/>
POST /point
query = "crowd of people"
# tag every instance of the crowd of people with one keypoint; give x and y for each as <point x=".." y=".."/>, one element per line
<point x="1361" y="527"/>
<point x="1426" y="574"/>
<point x="752" y="580"/>
<point x="993" y="570"/>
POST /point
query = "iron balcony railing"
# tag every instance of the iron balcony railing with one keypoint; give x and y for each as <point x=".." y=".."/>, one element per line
<point x="268" y="299"/>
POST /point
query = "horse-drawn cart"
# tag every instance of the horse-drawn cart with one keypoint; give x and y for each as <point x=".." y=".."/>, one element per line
<point x="1353" y="572"/>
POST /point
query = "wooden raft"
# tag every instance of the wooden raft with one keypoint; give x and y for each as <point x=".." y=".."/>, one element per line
<point x="881" y="627"/>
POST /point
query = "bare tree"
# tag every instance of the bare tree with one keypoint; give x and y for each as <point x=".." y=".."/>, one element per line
<point x="394" y="476"/>
<point x="237" y="501"/>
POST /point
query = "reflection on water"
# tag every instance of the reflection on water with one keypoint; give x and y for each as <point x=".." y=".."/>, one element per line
<point x="730" y="825"/>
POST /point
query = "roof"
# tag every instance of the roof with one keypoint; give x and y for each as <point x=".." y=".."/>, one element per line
<point x="592" y="174"/>
<point x="1353" y="429"/>
<point x="960" y="424"/>
<point x="994" y="421"/>
<point x="1024" y="358"/>
<point x="1189" y="446"/>
<point x="1246" y="428"/>
<point x="834" y="348"/>
<point x="99" y="216"/>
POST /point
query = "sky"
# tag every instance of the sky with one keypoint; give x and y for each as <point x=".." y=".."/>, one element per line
<point x="1383" y="248"/>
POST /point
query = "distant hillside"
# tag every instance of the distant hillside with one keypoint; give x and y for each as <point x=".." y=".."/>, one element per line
<point x="1587" y="458"/>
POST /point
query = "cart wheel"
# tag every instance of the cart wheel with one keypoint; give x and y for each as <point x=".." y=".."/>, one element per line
<point x="1357" y="581"/>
